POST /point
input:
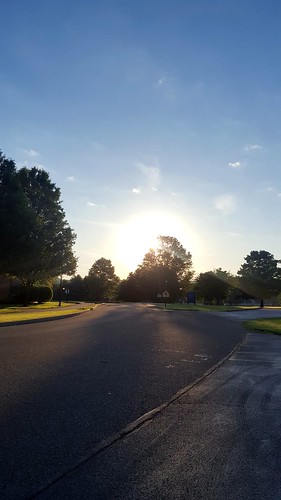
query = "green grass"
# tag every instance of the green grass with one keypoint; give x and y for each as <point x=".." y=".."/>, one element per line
<point x="46" y="305"/>
<point x="16" y="313"/>
<point x="268" y="325"/>
<point x="200" y="307"/>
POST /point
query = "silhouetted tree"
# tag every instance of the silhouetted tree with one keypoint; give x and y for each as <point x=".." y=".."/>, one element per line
<point x="168" y="267"/>
<point x="260" y="275"/>
<point x="102" y="282"/>
<point x="36" y="240"/>
<point x="213" y="285"/>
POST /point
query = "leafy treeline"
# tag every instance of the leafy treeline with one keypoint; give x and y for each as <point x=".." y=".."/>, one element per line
<point x="36" y="246"/>
<point x="36" y="240"/>
<point x="166" y="268"/>
<point x="258" y="278"/>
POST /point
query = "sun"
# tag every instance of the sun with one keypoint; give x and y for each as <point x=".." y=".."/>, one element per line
<point x="139" y="234"/>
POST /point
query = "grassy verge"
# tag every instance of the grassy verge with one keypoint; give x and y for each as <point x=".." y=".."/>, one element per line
<point x="11" y="314"/>
<point x="199" y="307"/>
<point x="46" y="305"/>
<point x="268" y="325"/>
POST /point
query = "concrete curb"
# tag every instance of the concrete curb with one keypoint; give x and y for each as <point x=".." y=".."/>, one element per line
<point x="136" y="424"/>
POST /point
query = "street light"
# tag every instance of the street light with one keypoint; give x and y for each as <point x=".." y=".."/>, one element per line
<point x="60" y="290"/>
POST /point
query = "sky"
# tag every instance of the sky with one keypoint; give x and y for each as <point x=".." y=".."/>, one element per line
<point x="153" y="117"/>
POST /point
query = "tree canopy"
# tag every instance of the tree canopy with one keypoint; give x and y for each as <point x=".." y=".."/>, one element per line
<point x="101" y="282"/>
<point x="213" y="285"/>
<point x="36" y="239"/>
<point x="260" y="275"/>
<point x="167" y="267"/>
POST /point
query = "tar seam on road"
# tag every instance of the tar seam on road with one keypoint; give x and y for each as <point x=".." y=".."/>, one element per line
<point x="133" y="426"/>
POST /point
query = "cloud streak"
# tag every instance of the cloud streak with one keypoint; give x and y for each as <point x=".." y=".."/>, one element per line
<point x="236" y="164"/>
<point x="252" y="147"/>
<point x="151" y="174"/>
<point x="30" y="152"/>
<point x="225" y="203"/>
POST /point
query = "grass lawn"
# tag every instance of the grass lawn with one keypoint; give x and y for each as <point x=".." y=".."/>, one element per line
<point x="268" y="325"/>
<point x="200" y="307"/>
<point x="46" y="305"/>
<point x="40" y="311"/>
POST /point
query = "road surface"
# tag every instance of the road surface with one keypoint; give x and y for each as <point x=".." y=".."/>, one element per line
<point x="68" y="385"/>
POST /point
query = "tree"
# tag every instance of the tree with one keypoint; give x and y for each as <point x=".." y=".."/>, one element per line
<point x="14" y="216"/>
<point x="102" y="282"/>
<point x="171" y="254"/>
<point x="213" y="285"/>
<point x="167" y="267"/>
<point x="76" y="288"/>
<point x="129" y="289"/>
<point x="260" y="275"/>
<point x="37" y="239"/>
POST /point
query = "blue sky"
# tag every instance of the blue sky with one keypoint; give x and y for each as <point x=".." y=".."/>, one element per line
<point x="153" y="117"/>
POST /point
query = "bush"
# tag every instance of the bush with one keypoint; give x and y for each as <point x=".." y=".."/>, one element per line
<point x="42" y="294"/>
<point x="37" y="293"/>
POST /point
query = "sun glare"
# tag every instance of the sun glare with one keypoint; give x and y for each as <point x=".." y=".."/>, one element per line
<point x="139" y="233"/>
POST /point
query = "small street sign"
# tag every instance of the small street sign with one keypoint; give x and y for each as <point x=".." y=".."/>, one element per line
<point x="165" y="294"/>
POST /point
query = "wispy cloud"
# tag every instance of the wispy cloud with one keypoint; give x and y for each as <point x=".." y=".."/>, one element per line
<point x="236" y="164"/>
<point x="225" y="203"/>
<point x="92" y="204"/>
<point x="30" y="152"/>
<point x="161" y="81"/>
<point x="168" y="87"/>
<point x="71" y="178"/>
<point x="252" y="147"/>
<point x="151" y="173"/>
<point x="234" y="235"/>
<point x="136" y="190"/>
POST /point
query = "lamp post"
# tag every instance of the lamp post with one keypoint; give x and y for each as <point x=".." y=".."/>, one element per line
<point x="60" y="290"/>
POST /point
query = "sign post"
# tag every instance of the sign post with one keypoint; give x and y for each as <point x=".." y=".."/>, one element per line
<point x="165" y="296"/>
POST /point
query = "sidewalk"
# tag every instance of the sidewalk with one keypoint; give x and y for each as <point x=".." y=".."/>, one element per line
<point x="221" y="440"/>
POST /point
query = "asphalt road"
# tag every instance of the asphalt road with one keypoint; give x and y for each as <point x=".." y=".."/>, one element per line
<point x="221" y="440"/>
<point x="67" y="385"/>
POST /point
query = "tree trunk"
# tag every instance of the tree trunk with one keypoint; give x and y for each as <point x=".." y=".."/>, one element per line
<point x="261" y="304"/>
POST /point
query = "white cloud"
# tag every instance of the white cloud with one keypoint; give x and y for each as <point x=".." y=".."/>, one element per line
<point x="136" y="190"/>
<point x="234" y="235"/>
<point x="71" y="178"/>
<point x="236" y="164"/>
<point x="92" y="204"/>
<point x="30" y="152"/>
<point x="151" y="173"/>
<point x="225" y="203"/>
<point x="161" y="81"/>
<point x="251" y="147"/>
<point x="168" y="87"/>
